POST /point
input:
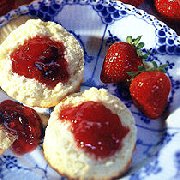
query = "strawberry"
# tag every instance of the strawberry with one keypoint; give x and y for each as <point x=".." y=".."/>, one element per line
<point x="122" y="57"/>
<point x="149" y="91"/>
<point x="169" y="9"/>
<point x="133" y="2"/>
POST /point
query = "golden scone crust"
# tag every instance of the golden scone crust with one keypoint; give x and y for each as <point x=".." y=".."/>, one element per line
<point x="62" y="153"/>
<point x="30" y="91"/>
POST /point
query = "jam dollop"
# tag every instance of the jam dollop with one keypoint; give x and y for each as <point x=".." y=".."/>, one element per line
<point x="95" y="128"/>
<point x="22" y="122"/>
<point x="43" y="59"/>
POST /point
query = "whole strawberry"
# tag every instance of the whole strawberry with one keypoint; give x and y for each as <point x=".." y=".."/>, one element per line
<point x="169" y="9"/>
<point x="149" y="91"/>
<point x="121" y="57"/>
<point x="133" y="2"/>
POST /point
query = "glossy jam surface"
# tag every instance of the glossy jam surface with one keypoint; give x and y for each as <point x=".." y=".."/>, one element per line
<point x="42" y="59"/>
<point x="95" y="128"/>
<point x="23" y="122"/>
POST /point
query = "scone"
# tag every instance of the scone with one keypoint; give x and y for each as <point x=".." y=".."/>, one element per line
<point x="40" y="63"/>
<point x="90" y="135"/>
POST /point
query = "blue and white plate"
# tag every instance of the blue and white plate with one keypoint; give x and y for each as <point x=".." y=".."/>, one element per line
<point x="97" y="24"/>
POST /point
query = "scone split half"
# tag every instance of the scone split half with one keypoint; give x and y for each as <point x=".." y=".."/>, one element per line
<point x="76" y="155"/>
<point x="40" y="63"/>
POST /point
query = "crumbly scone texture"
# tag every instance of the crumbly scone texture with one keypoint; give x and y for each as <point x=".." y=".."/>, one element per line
<point x="62" y="153"/>
<point x="30" y="91"/>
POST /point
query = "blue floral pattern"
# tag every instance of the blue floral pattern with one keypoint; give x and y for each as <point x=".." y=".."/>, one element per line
<point x="10" y="162"/>
<point x="177" y="164"/>
<point x="153" y="136"/>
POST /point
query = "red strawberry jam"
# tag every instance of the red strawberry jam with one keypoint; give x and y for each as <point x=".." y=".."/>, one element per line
<point x="43" y="59"/>
<point x="95" y="128"/>
<point x="23" y="122"/>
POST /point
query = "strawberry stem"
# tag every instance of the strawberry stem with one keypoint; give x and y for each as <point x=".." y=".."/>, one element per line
<point x="157" y="68"/>
<point x="129" y="39"/>
<point x="148" y="68"/>
<point x="151" y="66"/>
<point x="135" y="73"/>
<point x="138" y="45"/>
<point x="136" y="42"/>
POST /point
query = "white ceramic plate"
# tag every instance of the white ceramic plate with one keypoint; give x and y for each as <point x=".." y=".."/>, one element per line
<point x="97" y="24"/>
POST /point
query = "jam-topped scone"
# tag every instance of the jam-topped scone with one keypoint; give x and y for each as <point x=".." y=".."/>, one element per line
<point x="40" y="63"/>
<point x="90" y="135"/>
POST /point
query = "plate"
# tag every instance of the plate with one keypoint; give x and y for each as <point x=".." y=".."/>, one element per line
<point x="96" y="25"/>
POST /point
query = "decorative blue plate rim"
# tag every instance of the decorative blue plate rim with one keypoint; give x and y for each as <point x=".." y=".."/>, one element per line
<point x="167" y="43"/>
